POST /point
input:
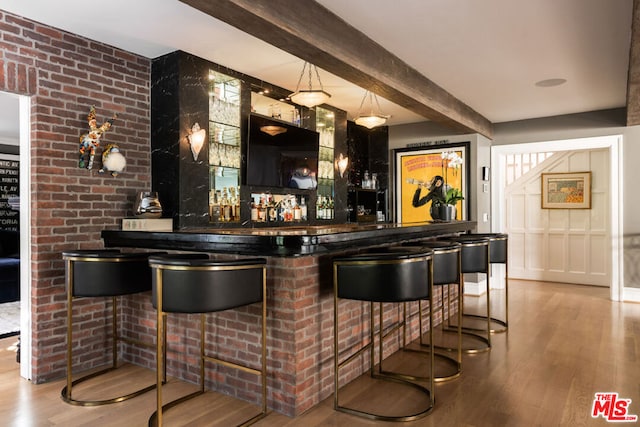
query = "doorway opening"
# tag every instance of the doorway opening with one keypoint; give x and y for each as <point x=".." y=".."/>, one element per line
<point x="563" y="245"/>
<point x="15" y="180"/>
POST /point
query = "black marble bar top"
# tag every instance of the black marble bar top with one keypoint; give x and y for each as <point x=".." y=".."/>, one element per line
<point x="284" y="241"/>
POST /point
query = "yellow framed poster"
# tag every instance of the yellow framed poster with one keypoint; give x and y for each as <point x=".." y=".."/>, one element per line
<point x="424" y="176"/>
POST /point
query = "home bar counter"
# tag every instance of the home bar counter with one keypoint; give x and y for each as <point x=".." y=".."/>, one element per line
<point x="299" y="302"/>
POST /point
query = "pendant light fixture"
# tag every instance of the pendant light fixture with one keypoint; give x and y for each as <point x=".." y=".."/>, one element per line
<point x="372" y="119"/>
<point x="309" y="97"/>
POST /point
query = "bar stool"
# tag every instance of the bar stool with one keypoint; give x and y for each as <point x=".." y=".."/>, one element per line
<point x="446" y="271"/>
<point x="498" y="254"/>
<point x="193" y="283"/>
<point x="393" y="277"/>
<point x="102" y="273"/>
<point x="475" y="258"/>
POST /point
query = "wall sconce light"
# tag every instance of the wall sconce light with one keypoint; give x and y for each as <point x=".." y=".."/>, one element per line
<point x="342" y="163"/>
<point x="196" y="140"/>
<point x="372" y="119"/>
<point x="309" y="97"/>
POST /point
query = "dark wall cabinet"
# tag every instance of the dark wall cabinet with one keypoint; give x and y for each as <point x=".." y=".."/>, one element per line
<point x="368" y="155"/>
<point x="189" y="185"/>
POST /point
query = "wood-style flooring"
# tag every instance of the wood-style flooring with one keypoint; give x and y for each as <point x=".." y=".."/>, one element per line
<point x="565" y="343"/>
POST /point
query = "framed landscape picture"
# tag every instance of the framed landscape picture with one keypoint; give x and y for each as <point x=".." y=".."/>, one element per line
<point x="570" y="190"/>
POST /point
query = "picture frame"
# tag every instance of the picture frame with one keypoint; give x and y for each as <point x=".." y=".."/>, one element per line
<point x="566" y="190"/>
<point x="414" y="167"/>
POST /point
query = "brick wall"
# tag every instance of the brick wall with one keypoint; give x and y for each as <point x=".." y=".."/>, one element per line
<point x="64" y="75"/>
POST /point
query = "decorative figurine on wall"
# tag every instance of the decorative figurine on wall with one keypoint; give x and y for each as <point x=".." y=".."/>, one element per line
<point x="90" y="141"/>
<point x="112" y="160"/>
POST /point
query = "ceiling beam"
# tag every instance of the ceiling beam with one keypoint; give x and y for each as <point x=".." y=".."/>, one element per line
<point x="313" y="33"/>
<point x="633" y="79"/>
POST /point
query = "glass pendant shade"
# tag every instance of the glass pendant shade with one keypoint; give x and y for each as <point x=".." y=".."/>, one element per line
<point x="373" y="119"/>
<point x="309" y="97"/>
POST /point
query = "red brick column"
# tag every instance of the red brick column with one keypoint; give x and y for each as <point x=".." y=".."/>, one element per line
<point x="64" y="74"/>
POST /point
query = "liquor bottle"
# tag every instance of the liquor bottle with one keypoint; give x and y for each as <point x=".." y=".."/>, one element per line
<point x="319" y="207"/>
<point x="225" y="215"/>
<point x="297" y="212"/>
<point x="324" y="207"/>
<point x="288" y="211"/>
<point x="281" y="210"/>
<point x="233" y="198"/>
<point x="330" y="208"/>
<point x="303" y="209"/>
<point x="272" y="210"/>
<point x="214" y="207"/>
<point x="254" y="211"/>
<point x="262" y="210"/>
<point x="237" y="216"/>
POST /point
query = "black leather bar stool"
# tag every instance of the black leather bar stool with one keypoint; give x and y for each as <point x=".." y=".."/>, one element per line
<point x="102" y="273"/>
<point x="391" y="277"/>
<point x="193" y="283"/>
<point x="475" y="258"/>
<point x="446" y="271"/>
<point x="498" y="254"/>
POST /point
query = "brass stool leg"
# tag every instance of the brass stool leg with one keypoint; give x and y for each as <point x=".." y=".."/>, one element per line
<point x="66" y="393"/>
<point x="461" y="315"/>
<point x="371" y="347"/>
<point x="456" y="363"/>
<point x="156" y="418"/>
<point x="486" y="338"/>
<point x="502" y="325"/>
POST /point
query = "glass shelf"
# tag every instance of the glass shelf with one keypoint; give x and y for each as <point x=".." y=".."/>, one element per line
<point x="224" y="148"/>
<point x="224" y="99"/>
<point x="325" y="126"/>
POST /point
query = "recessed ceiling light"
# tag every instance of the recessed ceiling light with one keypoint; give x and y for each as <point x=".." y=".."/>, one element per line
<point x="551" y="82"/>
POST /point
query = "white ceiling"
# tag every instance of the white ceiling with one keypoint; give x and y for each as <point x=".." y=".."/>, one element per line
<point x="489" y="53"/>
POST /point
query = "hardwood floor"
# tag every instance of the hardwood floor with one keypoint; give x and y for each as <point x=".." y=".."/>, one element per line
<point x="564" y="344"/>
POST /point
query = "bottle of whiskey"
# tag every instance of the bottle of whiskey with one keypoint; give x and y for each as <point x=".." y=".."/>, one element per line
<point x="225" y="214"/>
<point x="232" y="204"/>
<point x="262" y="210"/>
<point x="237" y="215"/>
<point x="303" y="209"/>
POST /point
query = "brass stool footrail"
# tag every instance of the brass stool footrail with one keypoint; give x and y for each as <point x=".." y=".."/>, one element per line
<point x="446" y="271"/>
<point x="193" y="283"/>
<point x="475" y="259"/>
<point x="103" y="273"/>
<point x="498" y="254"/>
<point x="392" y="277"/>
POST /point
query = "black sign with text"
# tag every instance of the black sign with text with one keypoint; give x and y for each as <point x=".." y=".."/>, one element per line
<point x="9" y="195"/>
